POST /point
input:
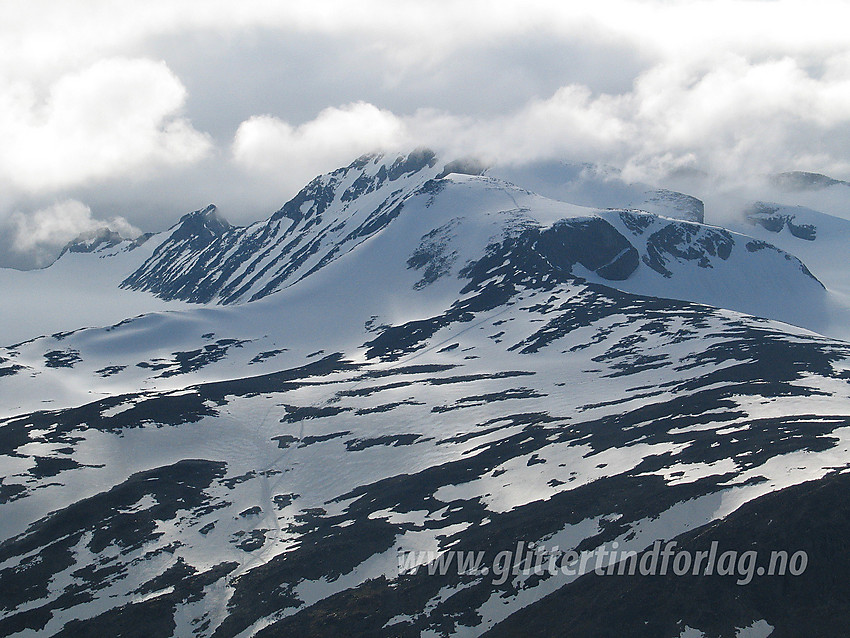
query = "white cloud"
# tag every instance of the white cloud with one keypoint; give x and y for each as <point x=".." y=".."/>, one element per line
<point x="737" y="118"/>
<point x="35" y="238"/>
<point x="334" y="137"/>
<point x="112" y="119"/>
<point x="707" y="58"/>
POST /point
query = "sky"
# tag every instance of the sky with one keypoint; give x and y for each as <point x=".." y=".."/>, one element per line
<point x="132" y="114"/>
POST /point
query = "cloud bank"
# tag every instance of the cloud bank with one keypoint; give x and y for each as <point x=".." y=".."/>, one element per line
<point x="734" y="119"/>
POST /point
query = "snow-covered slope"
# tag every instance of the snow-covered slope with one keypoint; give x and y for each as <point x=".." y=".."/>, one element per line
<point x="433" y="363"/>
<point x="726" y="269"/>
<point x="822" y="241"/>
<point x="80" y="289"/>
<point x="599" y="187"/>
<point x="534" y="408"/>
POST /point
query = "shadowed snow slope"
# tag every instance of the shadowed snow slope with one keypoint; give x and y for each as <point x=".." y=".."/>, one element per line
<point x="80" y="289"/>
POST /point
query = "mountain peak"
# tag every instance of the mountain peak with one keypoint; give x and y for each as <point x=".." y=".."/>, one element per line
<point x="205" y="223"/>
<point x="93" y="240"/>
<point x="368" y="173"/>
<point x="414" y="162"/>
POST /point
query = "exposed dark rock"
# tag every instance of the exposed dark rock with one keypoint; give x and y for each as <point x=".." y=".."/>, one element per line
<point x="771" y="220"/>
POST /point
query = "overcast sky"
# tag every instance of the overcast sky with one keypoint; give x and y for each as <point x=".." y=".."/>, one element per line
<point x="134" y="113"/>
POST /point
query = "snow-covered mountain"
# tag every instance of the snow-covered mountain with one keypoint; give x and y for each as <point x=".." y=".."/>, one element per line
<point x="805" y="181"/>
<point x="821" y="241"/>
<point x="418" y="261"/>
<point x="599" y="187"/>
<point x="204" y="259"/>
<point x="404" y="358"/>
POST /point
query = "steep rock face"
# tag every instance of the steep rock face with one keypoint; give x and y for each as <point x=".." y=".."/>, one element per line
<point x="201" y="227"/>
<point x="540" y="254"/>
<point x="686" y="242"/>
<point x="594" y="244"/>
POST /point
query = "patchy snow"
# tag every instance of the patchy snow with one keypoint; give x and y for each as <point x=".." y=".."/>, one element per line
<point x="759" y="629"/>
